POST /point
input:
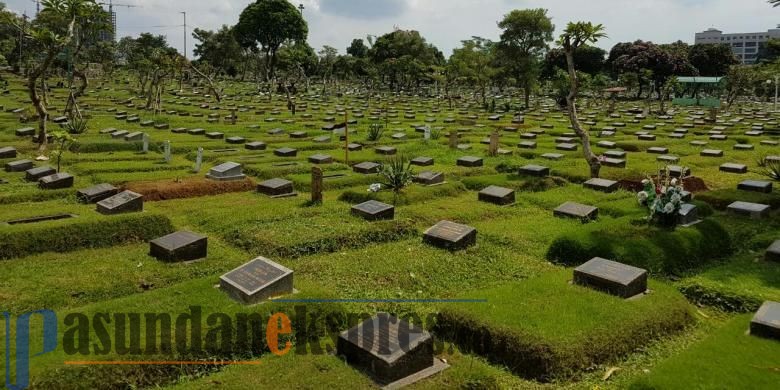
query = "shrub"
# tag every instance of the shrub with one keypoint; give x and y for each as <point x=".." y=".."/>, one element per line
<point x="375" y="132"/>
<point x="95" y="233"/>
<point x="397" y="173"/>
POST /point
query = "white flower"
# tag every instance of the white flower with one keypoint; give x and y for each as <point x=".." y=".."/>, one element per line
<point x="668" y="208"/>
<point x="374" y="187"/>
<point x="674" y="182"/>
<point x="642" y="197"/>
<point x="676" y="198"/>
<point x="645" y="181"/>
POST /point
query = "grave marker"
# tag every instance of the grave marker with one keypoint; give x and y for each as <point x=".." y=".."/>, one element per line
<point x="123" y="202"/>
<point x="257" y="280"/>
<point x="612" y="277"/>
<point x="373" y="210"/>
<point x="179" y="246"/>
<point x="450" y="235"/>
<point x="766" y="321"/>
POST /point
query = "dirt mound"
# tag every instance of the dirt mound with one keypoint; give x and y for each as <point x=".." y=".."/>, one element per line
<point x="691" y="184"/>
<point x="188" y="188"/>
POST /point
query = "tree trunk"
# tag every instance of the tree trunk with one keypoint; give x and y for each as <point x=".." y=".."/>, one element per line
<point x="590" y="157"/>
<point x="32" y="82"/>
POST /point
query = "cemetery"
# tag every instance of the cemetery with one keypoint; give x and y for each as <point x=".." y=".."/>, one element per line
<point x="485" y="234"/>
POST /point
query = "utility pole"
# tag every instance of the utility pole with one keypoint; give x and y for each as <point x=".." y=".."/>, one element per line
<point x="301" y="8"/>
<point x="777" y="78"/>
<point x="185" y="34"/>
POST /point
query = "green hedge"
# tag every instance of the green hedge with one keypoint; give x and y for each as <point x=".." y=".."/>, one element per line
<point x="721" y="199"/>
<point x="93" y="233"/>
<point x="657" y="250"/>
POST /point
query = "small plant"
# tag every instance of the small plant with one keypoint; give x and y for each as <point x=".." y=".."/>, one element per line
<point x="375" y="131"/>
<point x="770" y="167"/>
<point x="397" y="174"/>
<point x="63" y="140"/>
<point x="76" y="126"/>
<point x="435" y="133"/>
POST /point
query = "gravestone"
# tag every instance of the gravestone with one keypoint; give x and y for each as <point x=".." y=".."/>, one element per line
<point x="766" y="321"/>
<point x="198" y="160"/>
<point x="469" y="161"/>
<point x="366" y="168"/>
<point x="179" y="246"/>
<point x="676" y="171"/>
<point x="615" y="154"/>
<point x="226" y="172"/>
<point x="773" y="252"/>
<point x="527" y="145"/>
<point x="256" y="281"/>
<point x="255" y="145"/>
<point x="8" y="152"/>
<point x="756" y="186"/>
<point x="373" y="210"/>
<point x="123" y="202"/>
<point x="611" y="277"/>
<point x="320" y="159"/>
<point x="386" y="150"/>
<point x="387" y="348"/>
<point x="733" y="168"/>
<point x="316" y="185"/>
<point x="575" y="210"/>
<point x="493" y="148"/>
<point x="25" y="132"/>
<point x="602" y="185"/>
<point x="657" y="150"/>
<point x="235" y="140"/>
<point x="747" y="209"/>
<point x="553" y="156"/>
<point x="429" y="178"/>
<point x="688" y="214"/>
<point x="276" y="187"/>
<point x="33" y="174"/>
<point x="450" y="235"/>
<point x="421" y="161"/>
<point x="96" y="193"/>
<point x="286" y="152"/>
<point x="18" y="166"/>
<point x="566" y="147"/>
<point x="56" y="181"/>
<point x="167" y="152"/>
<point x="497" y="195"/>
<point x="535" y="170"/>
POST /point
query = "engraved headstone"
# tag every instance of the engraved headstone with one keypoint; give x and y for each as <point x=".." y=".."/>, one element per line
<point x="450" y="235"/>
<point x="286" y="152"/>
<point x="470" y="161"/>
<point x="388" y="348"/>
<point x="612" y="277"/>
<point x="18" y="166"/>
<point x="688" y="214"/>
<point x="602" y="185"/>
<point x="429" y="178"/>
<point x="756" y="186"/>
<point x="33" y="174"/>
<point x="773" y="252"/>
<point x="123" y="202"/>
<point x="316" y="185"/>
<point x="497" y="195"/>
<point x="8" y="152"/>
<point x="96" y="193"/>
<point x="373" y="210"/>
<point x="56" y="181"/>
<point x="276" y="187"/>
<point x="366" y="167"/>
<point x="179" y="246"/>
<point x="226" y="172"/>
<point x="747" y="209"/>
<point x="535" y="170"/>
<point x="766" y="321"/>
<point x="257" y="280"/>
<point x="575" y="210"/>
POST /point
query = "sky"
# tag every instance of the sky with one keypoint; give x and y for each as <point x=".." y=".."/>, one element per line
<point x="447" y="22"/>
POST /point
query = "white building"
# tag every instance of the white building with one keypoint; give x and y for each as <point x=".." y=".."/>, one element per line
<point x="744" y="45"/>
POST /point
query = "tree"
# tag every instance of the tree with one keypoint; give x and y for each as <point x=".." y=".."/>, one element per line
<point x="404" y="57"/>
<point x="526" y="35"/>
<point x="357" y="49"/>
<point x="712" y="59"/>
<point x="738" y="82"/>
<point x="650" y="64"/>
<point x="472" y="64"/>
<point x="574" y="36"/>
<point x="270" y="23"/>
<point x="589" y="59"/>
<point x="219" y="49"/>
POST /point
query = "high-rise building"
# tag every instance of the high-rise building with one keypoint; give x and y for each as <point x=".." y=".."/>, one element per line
<point x="744" y="45"/>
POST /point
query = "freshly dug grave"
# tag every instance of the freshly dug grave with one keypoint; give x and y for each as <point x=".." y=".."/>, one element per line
<point x="187" y="188"/>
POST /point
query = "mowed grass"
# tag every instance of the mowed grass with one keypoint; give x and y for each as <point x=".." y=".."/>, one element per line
<point x="728" y="359"/>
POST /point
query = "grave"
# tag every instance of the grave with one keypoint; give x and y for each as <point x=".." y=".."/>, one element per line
<point x="469" y="161"/>
<point x="711" y="153"/>
<point x="429" y="178"/>
<point x="56" y="181"/>
<point x="677" y="171"/>
<point x="366" y="168"/>
<point x="257" y="281"/>
<point x="497" y="195"/>
<point x="320" y="159"/>
<point x="657" y="150"/>
<point x="276" y="187"/>
<point x="747" y="209"/>
<point x="566" y="147"/>
<point x="450" y="235"/>
<point x="96" y="193"/>
<point x="134" y="136"/>
<point x="688" y="214"/>
<point x="255" y="145"/>
<point x="614" y="162"/>
<point x="179" y="246"/>
<point x="602" y="185"/>
<point x="615" y="153"/>
<point x="527" y="145"/>
<point x="226" y="172"/>
<point x="755" y="186"/>
<point x="766" y="321"/>
<point x="33" y="174"/>
<point x="552" y="156"/>
<point x="8" y="152"/>
<point x="286" y="152"/>
<point x="18" y="166"/>
<point x="534" y="170"/>
<point x="25" y="132"/>
<point x="123" y="202"/>
<point x="386" y="150"/>
<point x="421" y="161"/>
<point x="390" y="350"/>
<point x="579" y="211"/>
<point x="235" y="140"/>
<point x="215" y="135"/>
<point x="773" y="252"/>
<point x="373" y="210"/>
<point x="611" y="277"/>
<point x="733" y="168"/>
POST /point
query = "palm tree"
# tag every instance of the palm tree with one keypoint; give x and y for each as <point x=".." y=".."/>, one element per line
<point x="774" y="3"/>
<point x="576" y="35"/>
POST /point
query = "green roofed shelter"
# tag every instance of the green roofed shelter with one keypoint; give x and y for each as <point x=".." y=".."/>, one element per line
<point x="710" y="85"/>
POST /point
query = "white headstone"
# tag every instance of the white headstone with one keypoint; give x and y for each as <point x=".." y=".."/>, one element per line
<point x="167" y="151"/>
<point x="427" y="132"/>
<point x="146" y="143"/>
<point x="198" y="160"/>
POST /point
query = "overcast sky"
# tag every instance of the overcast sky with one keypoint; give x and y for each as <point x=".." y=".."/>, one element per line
<point x="446" y="22"/>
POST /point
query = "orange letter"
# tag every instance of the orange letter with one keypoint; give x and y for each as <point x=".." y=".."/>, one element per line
<point x="273" y="331"/>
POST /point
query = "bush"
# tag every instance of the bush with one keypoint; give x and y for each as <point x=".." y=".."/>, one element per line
<point x="96" y="233"/>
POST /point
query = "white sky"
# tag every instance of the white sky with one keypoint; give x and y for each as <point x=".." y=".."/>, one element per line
<point x="446" y="22"/>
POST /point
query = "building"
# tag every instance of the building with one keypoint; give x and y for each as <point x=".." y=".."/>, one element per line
<point x="744" y="45"/>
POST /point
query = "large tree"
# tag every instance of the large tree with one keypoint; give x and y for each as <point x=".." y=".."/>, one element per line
<point x="220" y="50"/>
<point x="270" y="23"/>
<point x="404" y="57"/>
<point x="526" y="35"/>
<point x="472" y="63"/>
<point x="589" y="59"/>
<point x="357" y="48"/>
<point x="575" y="36"/>
<point x="712" y="59"/>
<point x="650" y="64"/>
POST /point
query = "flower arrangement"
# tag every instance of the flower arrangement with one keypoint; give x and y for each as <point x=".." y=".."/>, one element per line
<point x="663" y="198"/>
